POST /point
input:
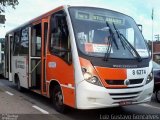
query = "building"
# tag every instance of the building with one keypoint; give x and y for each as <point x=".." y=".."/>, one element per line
<point x="156" y="51"/>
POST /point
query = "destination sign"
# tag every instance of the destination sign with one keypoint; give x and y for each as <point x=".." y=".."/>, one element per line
<point x="98" y="18"/>
<point x="114" y="20"/>
<point x="83" y="16"/>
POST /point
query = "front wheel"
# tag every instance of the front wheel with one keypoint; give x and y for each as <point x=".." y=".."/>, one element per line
<point x="158" y="95"/>
<point x="57" y="98"/>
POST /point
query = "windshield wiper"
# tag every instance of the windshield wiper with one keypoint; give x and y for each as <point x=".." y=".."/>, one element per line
<point x="118" y="34"/>
<point x="111" y="40"/>
<point x="112" y="35"/>
<point x="108" y="49"/>
<point x="129" y="44"/>
<point x="123" y="40"/>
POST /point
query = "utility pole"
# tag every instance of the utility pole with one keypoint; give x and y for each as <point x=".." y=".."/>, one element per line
<point x="152" y="17"/>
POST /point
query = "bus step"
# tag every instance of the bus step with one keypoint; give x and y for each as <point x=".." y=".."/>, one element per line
<point x="36" y="91"/>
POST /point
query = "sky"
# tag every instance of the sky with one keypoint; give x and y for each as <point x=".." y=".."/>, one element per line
<point x="140" y="10"/>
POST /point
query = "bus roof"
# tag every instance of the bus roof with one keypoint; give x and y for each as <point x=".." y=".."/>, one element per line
<point x="38" y="18"/>
<point x="54" y="10"/>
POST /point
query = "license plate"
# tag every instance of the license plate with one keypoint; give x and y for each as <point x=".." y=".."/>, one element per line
<point x="125" y="103"/>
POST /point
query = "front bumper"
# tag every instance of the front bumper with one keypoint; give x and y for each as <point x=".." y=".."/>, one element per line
<point x="89" y="96"/>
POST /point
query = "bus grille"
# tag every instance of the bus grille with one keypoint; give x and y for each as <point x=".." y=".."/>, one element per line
<point x="124" y="96"/>
<point x="135" y="81"/>
<point x="121" y="82"/>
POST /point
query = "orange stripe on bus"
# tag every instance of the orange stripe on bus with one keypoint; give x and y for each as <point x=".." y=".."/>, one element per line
<point x="112" y="73"/>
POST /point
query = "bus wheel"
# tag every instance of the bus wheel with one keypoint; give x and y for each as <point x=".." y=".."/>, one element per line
<point x="57" y="98"/>
<point x="158" y="95"/>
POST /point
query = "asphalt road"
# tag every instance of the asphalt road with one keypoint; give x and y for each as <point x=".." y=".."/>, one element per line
<point x="31" y="106"/>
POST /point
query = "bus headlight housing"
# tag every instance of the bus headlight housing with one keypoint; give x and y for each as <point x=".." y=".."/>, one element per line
<point x="91" y="78"/>
<point x="149" y="78"/>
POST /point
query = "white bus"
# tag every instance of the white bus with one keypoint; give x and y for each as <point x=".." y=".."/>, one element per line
<point x="82" y="57"/>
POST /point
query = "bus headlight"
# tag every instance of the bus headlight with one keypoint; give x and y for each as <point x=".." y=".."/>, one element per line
<point x="91" y="78"/>
<point x="149" y="78"/>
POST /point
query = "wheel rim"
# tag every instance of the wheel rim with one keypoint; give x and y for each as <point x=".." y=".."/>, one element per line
<point x="58" y="98"/>
<point x="158" y="95"/>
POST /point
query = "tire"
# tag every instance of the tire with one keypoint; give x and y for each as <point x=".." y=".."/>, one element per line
<point x="158" y="95"/>
<point x="57" y="99"/>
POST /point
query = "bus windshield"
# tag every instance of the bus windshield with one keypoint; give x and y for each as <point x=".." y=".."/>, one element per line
<point x="99" y="32"/>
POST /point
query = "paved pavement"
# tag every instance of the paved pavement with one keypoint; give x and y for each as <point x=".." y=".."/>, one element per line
<point x="28" y="105"/>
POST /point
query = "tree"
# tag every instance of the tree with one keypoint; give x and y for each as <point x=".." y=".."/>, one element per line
<point x="5" y="3"/>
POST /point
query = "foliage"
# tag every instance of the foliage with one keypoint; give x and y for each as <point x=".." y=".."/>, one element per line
<point x="5" y="3"/>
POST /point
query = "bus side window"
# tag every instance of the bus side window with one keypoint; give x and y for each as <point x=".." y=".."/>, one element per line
<point x="16" y="44"/>
<point x="60" y="42"/>
<point x="24" y="45"/>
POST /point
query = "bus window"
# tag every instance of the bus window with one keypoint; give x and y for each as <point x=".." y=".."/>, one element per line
<point x="130" y="35"/>
<point x="45" y="36"/>
<point x="6" y="55"/>
<point x="24" y="45"/>
<point x="60" y="43"/>
<point x="16" y="43"/>
<point x="36" y="40"/>
<point x="11" y="52"/>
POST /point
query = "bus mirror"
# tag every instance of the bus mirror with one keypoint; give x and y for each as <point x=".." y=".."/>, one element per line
<point x="140" y="27"/>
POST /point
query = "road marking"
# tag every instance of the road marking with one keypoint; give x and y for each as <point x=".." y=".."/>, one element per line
<point x="40" y="109"/>
<point x="147" y="105"/>
<point x="9" y="93"/>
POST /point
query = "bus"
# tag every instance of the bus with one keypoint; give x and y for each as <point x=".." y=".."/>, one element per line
<point x="81" y="57"/>
<point x="1" y="56"/>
